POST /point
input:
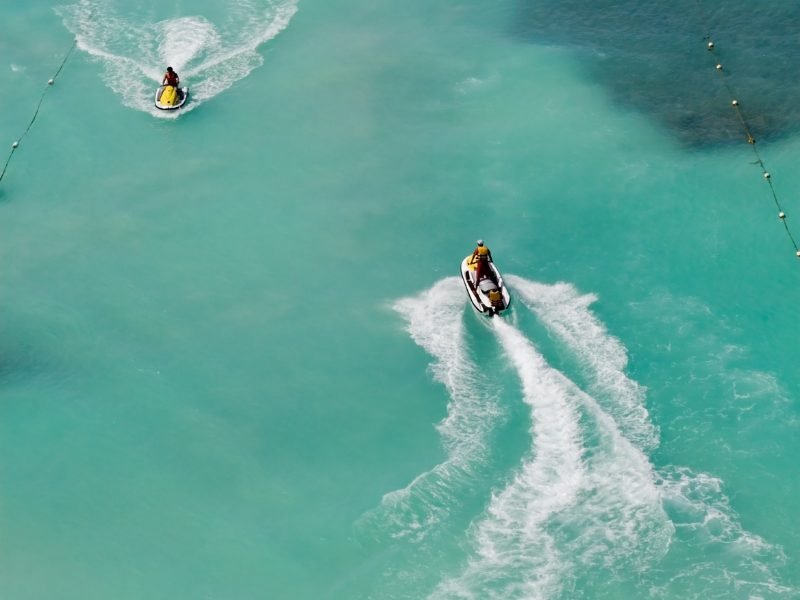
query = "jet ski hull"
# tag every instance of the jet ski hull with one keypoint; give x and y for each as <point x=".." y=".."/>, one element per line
<point x="162" y="103"/>
<point x="479" y="291"/>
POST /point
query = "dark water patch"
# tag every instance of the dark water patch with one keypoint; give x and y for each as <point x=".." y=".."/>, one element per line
<point x="30" y="351"/>
<point x="18" y="363"/>
<point x="653" y="57"/>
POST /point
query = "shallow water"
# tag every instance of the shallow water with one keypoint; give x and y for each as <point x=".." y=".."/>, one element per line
<point x="236" y="362"/>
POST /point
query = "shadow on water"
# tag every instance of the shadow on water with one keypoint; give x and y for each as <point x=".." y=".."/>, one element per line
<point x="30" y="349"/>
<point x="652" y="57"/>
<point x="20" y="363"/>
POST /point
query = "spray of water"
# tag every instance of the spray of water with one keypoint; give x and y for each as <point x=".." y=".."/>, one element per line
<point x="585" y="503"/>
<point x="515" y="555"/>
<point x="434" y="320"/>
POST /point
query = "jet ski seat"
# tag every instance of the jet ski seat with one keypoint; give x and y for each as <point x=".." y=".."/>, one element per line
<point x="487" y="285"/>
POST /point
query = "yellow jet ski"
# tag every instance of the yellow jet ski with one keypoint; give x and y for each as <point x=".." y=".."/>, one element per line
<point x="168" y="97"/>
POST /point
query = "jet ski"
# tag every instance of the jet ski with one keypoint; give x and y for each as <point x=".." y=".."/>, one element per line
<point x="168" y="97"/>
<point x="489" y="295"/>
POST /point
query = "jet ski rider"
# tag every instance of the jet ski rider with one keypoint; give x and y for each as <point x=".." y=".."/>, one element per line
<point x="171" y="78"/>
<point x="481" y="257"/>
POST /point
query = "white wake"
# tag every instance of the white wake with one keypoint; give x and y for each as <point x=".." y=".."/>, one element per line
<point x="515" y="556"/>
<point x="586" y="497"/>
<point x="566" y="313"/>
<point x="585" y="509"/>
<point x="209" y="57"/>
<point x="434" y="320"/>
<point x="699" y="513"/>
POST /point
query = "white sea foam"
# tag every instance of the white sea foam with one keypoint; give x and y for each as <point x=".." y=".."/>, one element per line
<point x="515" y="556"/>
<point x="618" y="523"/>
<point x="210" y="58"/>
<point x="434" y="319"/>
<point x="583" y="502"/>
<point x="565" y="312"/>
<point x="744" y="563"/>
<point x="632" y="514"/>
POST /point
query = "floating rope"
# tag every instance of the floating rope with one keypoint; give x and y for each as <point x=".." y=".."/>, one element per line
<point x="50" y="82"/>
<point x="712" y="51"/>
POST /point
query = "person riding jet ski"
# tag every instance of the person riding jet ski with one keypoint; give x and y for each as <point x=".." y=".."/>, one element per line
<point x="496" y="298"/>
<point x="481" y="256"/>
<point x="171" y="78"/>
<point x="483" y="282"/>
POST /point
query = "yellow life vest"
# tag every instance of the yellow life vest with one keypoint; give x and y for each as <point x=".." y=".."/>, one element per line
<point x="483" y="252"/>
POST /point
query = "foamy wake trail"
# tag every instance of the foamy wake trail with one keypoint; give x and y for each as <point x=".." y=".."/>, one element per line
<point x="515" y="555"/>
<point x="737" y="563"/>
<point x="565" y="312"/>
<point x="618" y="525"/>
<point x="627" y="515"/>
<point x="434" y="319"/>
<point x="209" y="57"/>
<point x="572" y="505"/>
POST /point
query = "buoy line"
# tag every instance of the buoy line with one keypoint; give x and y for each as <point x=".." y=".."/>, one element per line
<point x="50" y="82"/>
<point x="718" y="66"/>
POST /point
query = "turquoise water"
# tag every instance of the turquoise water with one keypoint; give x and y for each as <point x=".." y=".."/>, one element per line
<point x="236" y="362"/>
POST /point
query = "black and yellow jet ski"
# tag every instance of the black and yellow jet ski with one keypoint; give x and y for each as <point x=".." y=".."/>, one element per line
<point x="169" y="97"/>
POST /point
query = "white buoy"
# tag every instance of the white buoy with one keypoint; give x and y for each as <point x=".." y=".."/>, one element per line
<point x="710" y="45"/>
<point x="15" y="144"/>
<point x="766" y="175"/>
<point x="50" y="81"/>
<point x="735" y="102"/>
<point x="798" y="253"/>
<point x="719" y="67"/>
<point x="781" y="215"/>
